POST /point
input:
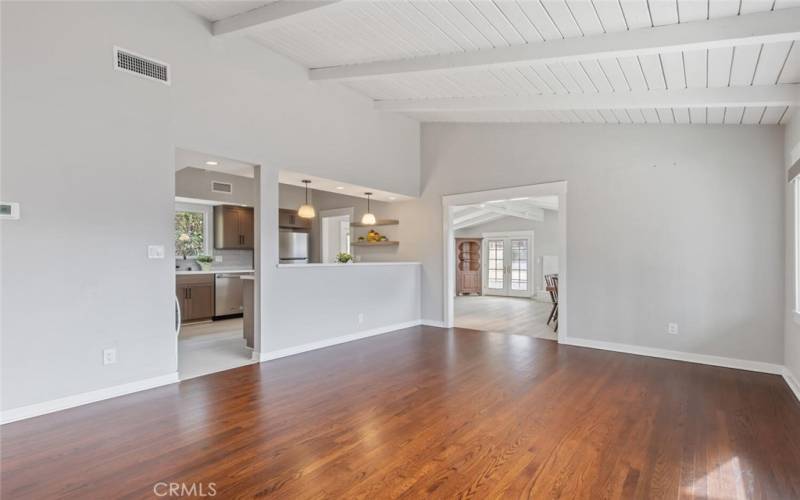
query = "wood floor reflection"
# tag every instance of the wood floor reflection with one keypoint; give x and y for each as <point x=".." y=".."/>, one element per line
<point x="427" y="413"/>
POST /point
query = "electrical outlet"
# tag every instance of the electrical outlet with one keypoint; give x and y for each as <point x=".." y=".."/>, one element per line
<point x="109" y="356"/>
<point x="672" y="328"/>
<point x="218" y="258"/>
<point x="360" y="318"/>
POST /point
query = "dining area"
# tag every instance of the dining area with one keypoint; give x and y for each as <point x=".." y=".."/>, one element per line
<point x="551" y="288"/>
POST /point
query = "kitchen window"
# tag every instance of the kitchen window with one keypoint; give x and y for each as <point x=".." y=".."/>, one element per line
<point x="192" y="235"/>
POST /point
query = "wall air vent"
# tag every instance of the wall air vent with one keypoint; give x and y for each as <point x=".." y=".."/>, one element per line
<point x="222" y="187"/>
<point x="129" y="62"/>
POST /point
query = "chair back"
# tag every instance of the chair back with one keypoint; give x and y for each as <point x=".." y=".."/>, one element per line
<point x="552" y="286"/>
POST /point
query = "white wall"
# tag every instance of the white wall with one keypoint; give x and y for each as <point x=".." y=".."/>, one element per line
<point x="325" y="301"/>
<point x="664" y="224"/>
<point x="89" y="153"/>
<point x="792" y="329"/>
<point x="545" y="237"/>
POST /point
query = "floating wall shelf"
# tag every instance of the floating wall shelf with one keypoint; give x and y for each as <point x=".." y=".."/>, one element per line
<point x="374" y="243"/>
<point x="379" y="222"/>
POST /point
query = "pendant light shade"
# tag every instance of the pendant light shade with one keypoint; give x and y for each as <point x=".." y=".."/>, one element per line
<point x="369" y="218"/>
<point x="306" y="211"/>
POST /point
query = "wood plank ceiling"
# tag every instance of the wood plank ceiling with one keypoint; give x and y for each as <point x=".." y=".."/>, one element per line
<point x="347" y="33"/>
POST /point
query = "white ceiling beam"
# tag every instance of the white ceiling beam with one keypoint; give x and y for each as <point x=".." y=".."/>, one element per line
<point x="483" y="219"/>
<point x="762" y="27"/>
<point x="282" y="9"/>
<point x="773" y="95"/>
<point x="473" y="213"/>
<point x="536" y="214"/>
<point x="546" y="204"/>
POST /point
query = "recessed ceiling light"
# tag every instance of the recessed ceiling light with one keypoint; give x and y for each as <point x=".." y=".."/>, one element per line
<point x="392" y="198"/>
<point x="519" y="199"/>
<point x="212" y="163"/>
<point x="339" y="187"/>
<point x="483" y="205"/>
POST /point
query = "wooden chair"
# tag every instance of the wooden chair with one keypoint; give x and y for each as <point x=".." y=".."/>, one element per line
<point x="552" y="288"/>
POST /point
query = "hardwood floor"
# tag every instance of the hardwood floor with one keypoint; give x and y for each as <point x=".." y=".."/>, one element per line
<point x="427" y="413"/>
<point x="515" y="315"/>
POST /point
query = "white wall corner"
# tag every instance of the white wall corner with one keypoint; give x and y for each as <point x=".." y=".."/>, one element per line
<point x="792" y="381"/>
<point x="433" y="322"/>
<point x="703" y="359"/>
<point x="67" y="402"/>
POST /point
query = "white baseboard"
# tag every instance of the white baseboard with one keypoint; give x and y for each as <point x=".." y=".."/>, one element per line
<point x="704" y="359"/>
<point x="433" y="322"/>
<point x="64" y="403"/>
<point x="290" y="351"/>
<point x="792" y="381"/>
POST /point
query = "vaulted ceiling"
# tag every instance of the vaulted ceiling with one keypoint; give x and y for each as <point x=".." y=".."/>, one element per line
<point x="591" y="61"/>
<point x="530" y="208"/>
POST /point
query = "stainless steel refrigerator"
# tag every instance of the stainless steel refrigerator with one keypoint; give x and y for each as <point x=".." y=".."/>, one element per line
<point x="293" y="247"/>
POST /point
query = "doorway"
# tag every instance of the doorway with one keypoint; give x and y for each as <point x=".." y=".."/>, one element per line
<point x="335" y="233"/>
<point x="521" y="233"/>
<point x="216" y="241"/>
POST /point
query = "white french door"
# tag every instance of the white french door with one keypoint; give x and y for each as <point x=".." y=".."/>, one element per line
<point x="508" y="266"/>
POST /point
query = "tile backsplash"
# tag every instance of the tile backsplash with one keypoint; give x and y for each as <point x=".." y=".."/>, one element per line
<point x="231" y="259"/>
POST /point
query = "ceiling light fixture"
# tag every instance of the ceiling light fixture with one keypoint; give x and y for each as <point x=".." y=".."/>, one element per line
<point x="519" y="199"/>
<point x="212" y="163"/>
<point x="306" y="211"/>
<point x="369" y="218"/>
<point x="339" y="187"/>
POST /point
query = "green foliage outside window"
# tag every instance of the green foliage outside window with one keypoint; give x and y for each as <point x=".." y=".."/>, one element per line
<point x="189" y="234"/>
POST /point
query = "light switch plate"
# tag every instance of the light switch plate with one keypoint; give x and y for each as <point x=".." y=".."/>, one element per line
<point x="218" y="258"/>
<point x="155" y="251"/>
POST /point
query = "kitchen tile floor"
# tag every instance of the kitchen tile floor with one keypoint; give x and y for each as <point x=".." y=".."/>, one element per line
<point x="205" y="348"/>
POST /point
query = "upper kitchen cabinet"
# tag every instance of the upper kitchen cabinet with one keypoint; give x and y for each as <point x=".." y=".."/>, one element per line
<point x="234" y="227"/>
<point x="290" y="220"/>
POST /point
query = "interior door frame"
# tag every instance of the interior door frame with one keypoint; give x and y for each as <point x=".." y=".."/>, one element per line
<point x="260" y="204"/>
<point x="335" y="212"/>
<point x="507" y="235"/>
<point x="558" y="188"/>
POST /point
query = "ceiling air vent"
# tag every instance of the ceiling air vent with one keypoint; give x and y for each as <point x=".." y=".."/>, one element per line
<point x="129" y="62"/>
<point x="222" y="187"/>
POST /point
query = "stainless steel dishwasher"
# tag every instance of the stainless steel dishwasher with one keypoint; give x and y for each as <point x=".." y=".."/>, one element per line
<point x="228" y="294"/>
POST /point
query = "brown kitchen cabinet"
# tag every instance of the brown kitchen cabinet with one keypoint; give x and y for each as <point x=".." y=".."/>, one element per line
<point x="234" y="227"/>
<point x="290" y="220"/>
<point x="468" y="266"/>
<point x="195" y="296"/>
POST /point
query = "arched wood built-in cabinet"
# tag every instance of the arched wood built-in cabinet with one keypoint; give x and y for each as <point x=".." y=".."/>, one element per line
<point x="468" y="266"/>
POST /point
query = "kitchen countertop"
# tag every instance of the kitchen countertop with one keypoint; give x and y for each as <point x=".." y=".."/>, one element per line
<point x="216" y="271"/>
<point x="351" y="265"/>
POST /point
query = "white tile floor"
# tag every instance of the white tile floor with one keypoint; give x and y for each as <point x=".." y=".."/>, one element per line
<point x="211" y="347"/>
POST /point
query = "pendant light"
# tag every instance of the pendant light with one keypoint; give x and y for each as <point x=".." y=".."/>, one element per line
<point x="306" y="211"/>
<point x="369" y="218"/>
